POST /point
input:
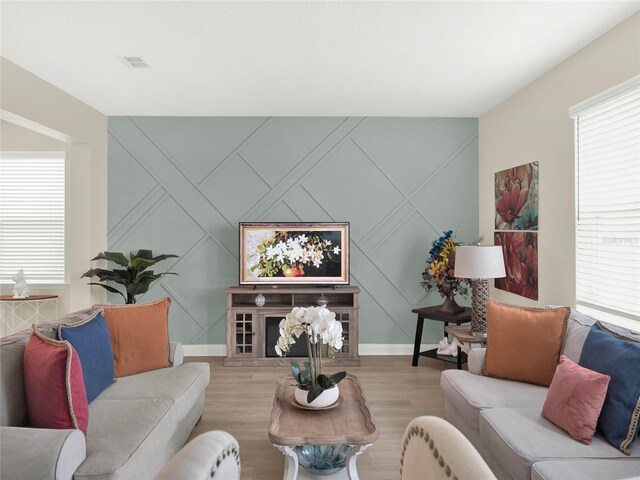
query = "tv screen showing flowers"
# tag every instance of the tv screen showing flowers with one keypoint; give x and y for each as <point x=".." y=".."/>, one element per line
<point x="292" y="253"/>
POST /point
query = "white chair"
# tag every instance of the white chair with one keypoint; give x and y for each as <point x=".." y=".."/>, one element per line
<point x="433" y="449"/>
<point x="214" y="455"/>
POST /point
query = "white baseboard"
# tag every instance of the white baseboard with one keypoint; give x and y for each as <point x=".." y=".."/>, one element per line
<point x="220" y="350"/>
<point x="215" y="350"/>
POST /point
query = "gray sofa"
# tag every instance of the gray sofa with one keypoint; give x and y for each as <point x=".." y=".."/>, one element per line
<point x="503" y="420"/>
<point x="135" y="426"/>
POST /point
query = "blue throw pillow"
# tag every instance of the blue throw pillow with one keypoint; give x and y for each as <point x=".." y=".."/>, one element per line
<point x="93" y="344"/>
<point x="618" y="358"/>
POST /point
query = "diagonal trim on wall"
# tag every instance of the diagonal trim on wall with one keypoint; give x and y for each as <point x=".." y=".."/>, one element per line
<point x="399" y="181"/>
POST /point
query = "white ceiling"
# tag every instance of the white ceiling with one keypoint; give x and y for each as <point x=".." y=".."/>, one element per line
<point x="299" y="58"/>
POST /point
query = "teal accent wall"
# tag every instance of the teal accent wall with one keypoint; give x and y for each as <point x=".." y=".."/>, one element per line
<point x="181" y="185"/>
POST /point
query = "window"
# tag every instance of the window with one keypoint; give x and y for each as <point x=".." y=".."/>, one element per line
<point x="607" y="140"/>
<point x="32" y="191"/>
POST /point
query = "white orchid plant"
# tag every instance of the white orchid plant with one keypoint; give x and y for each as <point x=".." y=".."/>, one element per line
<point x="321" y="328"/>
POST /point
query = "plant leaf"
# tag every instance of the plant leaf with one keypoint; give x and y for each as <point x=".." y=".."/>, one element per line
<point x="115" y="257"/>
<point x="295" y="371"/>
<point x="314" y="392"/>
<point x="109" y="288"/>
<point x="146" y="254"/>
<point x="107" y="275"/>
<point x="139" y="263"/>
<point x="159" y="258"/>
<point x="337" y="377"/>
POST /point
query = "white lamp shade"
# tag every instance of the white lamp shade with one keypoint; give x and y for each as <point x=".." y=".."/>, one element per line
<point x="479" y="262"/>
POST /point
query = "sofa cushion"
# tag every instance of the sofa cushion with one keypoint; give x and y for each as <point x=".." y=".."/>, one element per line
<point x="618" y="358"/>
<point x="524" y="344"/>
<point x="163" y="383"/>
<point x="471" y="393"/>
<point x="578" y="328"/>
<point x="519" y="437"/>
<point x="575" y="399"/>
<point x="126" y="432"/>
<point x="91" y="340"/>
<point x="118" y="428"/>
<point x="53" y="384"/>
<point x="139" y="336"/>
<point x="586" y="469"/>
<point x="13" y="404"/>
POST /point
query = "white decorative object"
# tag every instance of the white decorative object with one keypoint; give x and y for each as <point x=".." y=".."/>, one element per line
<point x="260" y="300"/>
<point x="326" y="398"/>
<point x="446" y="348"/>
<point x="20" y="289"/>
<point x="322" y="300"/>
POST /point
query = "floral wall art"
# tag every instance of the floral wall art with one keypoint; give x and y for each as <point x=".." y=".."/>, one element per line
<point x="516" y="224"/>
<point x="516" y="193"/>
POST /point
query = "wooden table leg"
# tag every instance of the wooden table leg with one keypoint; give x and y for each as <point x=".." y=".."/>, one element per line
<point x="417" y="341"/>
<point x="459" y="357"/>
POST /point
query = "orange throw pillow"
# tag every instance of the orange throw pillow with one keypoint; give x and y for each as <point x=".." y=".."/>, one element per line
<point x="139" y="336"/>
<point x="524" y="344"/>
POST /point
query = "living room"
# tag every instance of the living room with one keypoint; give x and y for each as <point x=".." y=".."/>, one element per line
<point x="179" y="126"/>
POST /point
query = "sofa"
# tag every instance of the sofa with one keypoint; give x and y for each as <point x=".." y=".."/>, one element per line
<point x="503" y="420"/>
<point x="135" y="426"/>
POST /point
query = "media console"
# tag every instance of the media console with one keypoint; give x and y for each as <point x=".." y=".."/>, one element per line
<point x="252" y="330"/>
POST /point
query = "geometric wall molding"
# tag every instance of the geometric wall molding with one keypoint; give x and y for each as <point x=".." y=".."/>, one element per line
<point x="181" y="185"/>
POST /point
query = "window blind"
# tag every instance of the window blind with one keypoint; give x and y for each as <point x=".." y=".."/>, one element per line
<point x="32" y="197"/>
<point x="607" y="142"/>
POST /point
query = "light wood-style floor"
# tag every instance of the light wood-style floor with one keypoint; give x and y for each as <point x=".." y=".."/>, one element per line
<point x="239" y="400"/>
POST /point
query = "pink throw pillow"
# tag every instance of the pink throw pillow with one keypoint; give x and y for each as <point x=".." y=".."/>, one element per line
<point x="575" y="399"/>
<point x="53" y="384"/>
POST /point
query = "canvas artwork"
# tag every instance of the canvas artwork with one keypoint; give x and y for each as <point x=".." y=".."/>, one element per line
<point x="516" y="198"/>
<point x="520" y="250"/>
<point x="289" y="253"/>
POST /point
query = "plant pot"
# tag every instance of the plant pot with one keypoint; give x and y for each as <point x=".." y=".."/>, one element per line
<point x="293" y="271"/>
<point x="326" y="398"/>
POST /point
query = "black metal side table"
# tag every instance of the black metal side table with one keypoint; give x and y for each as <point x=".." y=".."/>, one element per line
<point x="432" y="313"/>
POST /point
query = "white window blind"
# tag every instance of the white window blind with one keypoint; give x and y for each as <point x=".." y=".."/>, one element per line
<point x="607" y="139"/>
<point x="32" y="193"/>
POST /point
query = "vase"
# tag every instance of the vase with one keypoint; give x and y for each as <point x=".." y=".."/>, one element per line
<point x="449" y="305"/>
<point x="260" y="300"/>
<point x="326" y="398"/>
<point x="293" y="271"/>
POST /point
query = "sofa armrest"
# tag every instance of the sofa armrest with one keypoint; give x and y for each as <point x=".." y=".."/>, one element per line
<point x="176" y="354"/>
<point x="29" y="453"/>
<point x="212" y="455"/>
<point x="475" y="359"/>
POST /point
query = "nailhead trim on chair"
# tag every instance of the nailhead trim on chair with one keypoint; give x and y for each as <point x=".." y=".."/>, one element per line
<point x="419" y="432"/>
<point x="231" y="450"/>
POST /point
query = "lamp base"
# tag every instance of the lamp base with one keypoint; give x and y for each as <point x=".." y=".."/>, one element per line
<point x="479" y="297"/>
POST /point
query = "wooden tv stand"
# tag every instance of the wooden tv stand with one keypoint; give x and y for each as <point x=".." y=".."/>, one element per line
<point x="247" y="323"/>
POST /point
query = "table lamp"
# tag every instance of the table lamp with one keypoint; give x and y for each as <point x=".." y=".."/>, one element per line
<point x="478" y="264"/>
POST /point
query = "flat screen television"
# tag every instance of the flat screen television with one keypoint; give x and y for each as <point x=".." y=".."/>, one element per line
<point x="294" y="253"/>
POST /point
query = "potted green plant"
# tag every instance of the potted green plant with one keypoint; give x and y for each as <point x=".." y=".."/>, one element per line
<point x="134" y="277"/>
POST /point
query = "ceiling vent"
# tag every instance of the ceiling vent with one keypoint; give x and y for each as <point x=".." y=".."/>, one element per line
<point x="136" y="62"/>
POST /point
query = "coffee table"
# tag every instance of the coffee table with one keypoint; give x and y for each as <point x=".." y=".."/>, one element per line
<point x="323" y="442"/>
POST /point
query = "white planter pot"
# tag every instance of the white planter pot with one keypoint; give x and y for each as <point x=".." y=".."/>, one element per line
<point x="326" y="398"/>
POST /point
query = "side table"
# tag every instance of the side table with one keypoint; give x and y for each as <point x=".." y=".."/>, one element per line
<point x="463" y="335"/>
<point x="432" y="313"/>
<point x="17" y="314"/>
